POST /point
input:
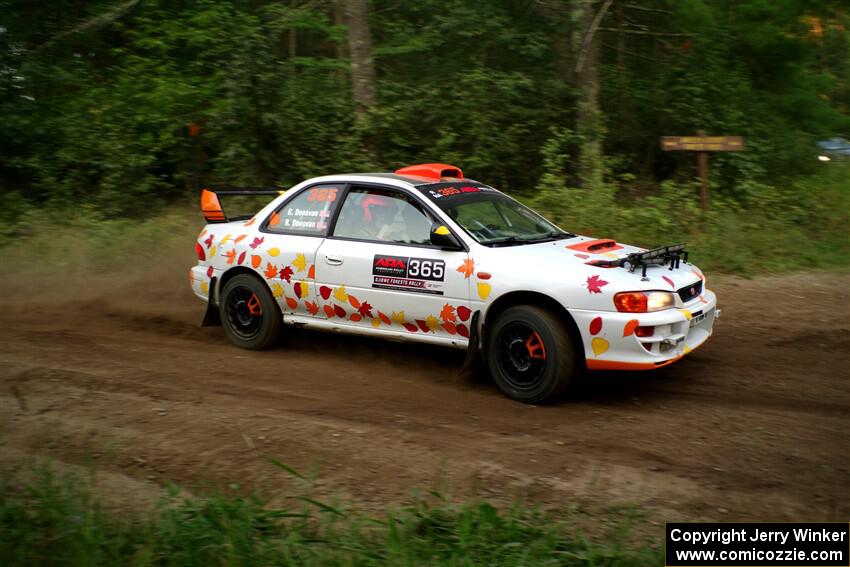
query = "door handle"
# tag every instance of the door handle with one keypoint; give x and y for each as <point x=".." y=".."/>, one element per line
<point x="333" y="260"/>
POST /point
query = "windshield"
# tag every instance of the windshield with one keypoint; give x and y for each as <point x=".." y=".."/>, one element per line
<point x="493" y="218"/>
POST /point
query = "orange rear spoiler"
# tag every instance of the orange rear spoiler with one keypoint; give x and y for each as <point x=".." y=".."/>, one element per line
<point x="211" y="205"/>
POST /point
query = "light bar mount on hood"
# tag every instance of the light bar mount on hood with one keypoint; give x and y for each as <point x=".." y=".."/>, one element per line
<point x="662" y="256"/>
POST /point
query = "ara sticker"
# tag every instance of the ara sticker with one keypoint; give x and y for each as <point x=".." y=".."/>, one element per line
<point x="420" y="275"/>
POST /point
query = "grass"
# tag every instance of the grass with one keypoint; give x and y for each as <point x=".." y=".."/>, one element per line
<point x="802" y="226"/>
<point x="47" y="519"/>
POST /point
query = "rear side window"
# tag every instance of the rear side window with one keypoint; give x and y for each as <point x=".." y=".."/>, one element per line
<point x="308" y="213"/>
<point x="383" y="215"/>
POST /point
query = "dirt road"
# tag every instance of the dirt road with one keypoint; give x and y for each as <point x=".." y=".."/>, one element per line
<point x="753" y="426"/>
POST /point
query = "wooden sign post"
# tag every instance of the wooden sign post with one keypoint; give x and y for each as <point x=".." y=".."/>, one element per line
<point x="702" y="144"/>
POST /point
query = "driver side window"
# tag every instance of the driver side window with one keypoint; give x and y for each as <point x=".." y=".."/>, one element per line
<point x="383" y="215"/>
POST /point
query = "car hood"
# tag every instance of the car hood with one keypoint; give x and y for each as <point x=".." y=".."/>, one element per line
<point x="567" y="264"/>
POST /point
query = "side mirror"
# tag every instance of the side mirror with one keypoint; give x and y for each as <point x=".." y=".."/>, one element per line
<point x="441" y="236"/>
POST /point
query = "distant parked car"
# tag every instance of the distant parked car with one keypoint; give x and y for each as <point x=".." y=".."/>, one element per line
<point x="834" y="148"/>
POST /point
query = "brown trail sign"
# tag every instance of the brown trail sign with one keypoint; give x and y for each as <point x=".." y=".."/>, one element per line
<point x="702" y="144"/>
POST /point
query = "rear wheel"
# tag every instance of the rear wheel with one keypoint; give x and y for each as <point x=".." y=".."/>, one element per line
<point x="249" y="314"/>
<point x="530" y="354"/>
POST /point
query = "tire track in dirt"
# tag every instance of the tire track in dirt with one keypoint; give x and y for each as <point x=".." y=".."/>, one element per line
<point x="752" y="426"/>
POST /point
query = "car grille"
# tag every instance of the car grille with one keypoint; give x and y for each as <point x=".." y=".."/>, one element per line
<point x="690" y="292"/>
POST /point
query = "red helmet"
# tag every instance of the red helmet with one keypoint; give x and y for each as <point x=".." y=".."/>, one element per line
<point x="377" y="205"/>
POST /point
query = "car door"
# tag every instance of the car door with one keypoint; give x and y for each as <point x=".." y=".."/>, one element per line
<point x="294" y="232"/>
<point x="379" y="269"/>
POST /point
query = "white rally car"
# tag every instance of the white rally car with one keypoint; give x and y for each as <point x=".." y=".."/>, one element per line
<point x="425" y="255"/>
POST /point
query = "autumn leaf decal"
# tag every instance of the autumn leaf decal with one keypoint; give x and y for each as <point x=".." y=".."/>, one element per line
<point x="226" y="239"/>
<point x="448" y="313"/>
<point x="365" y="309"/>
<point x="286" y="273"/>
<point x="312" y="307"/>
<point x="209" y="240"/>
<point x="340" y="295"/>
<point x="256" y="242"/>
<point x="596" y="326"/>
<point x="300" y="262"/>
<point x="595" y="284"/>
<point x="432" y="323"/>
<point x="271" y="271"/>
<point x="231" y="256"/>
<point x="467" y="268"/>
<point x="241" y="258"/>
<point x="398" y="317"/>
<point x="240" y="238"/>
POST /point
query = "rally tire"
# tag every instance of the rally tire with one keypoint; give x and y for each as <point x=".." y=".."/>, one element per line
<point x="249" y="314"/>
<point x="530" y="354"/>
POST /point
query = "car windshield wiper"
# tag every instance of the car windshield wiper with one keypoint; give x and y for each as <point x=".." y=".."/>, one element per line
<point x="554" y="235"/>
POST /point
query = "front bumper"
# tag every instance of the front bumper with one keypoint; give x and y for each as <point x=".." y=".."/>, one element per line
<point x="610" y="342"/>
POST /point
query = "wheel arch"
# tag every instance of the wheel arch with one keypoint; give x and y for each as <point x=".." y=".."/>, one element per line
<point x="538" y="299"/>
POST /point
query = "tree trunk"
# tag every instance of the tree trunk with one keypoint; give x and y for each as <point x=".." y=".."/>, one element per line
<point x="339" y="20"/>
<point x="588" y="117"/>
<point x="360" y="50"/>
<point x="292" y="38"/>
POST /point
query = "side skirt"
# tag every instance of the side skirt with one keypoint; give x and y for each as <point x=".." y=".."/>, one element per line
<point x="347" y="328"/>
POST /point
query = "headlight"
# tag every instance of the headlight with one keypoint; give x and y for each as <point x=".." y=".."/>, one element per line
<point x="824" y="158"/>
<point x="643" y="301"/>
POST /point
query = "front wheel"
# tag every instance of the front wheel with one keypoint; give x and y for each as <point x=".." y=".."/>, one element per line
<point x="530" y="354"/>
<point x="249" y="314"/>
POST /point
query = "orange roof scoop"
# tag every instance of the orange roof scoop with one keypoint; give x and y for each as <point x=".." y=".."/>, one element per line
<point x="434" y="171"/>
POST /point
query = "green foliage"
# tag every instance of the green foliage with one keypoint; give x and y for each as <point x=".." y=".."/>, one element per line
<point x="51" y="520"/>
<point x="802" y="225"/>
<point x="97" y="99"/>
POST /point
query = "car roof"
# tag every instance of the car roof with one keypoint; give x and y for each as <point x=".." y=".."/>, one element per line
<point x="409" y="180"/>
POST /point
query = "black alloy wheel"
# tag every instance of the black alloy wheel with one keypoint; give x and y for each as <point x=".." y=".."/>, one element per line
<point x="530" y="354"/>
<point x="249" y="314"/>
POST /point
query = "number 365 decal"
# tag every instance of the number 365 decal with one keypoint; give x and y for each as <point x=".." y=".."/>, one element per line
<point x="411" y="274"/>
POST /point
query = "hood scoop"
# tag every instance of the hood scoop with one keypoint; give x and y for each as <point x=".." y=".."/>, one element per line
<point x="671" y="256"/>
<point x="599" y="246"/>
